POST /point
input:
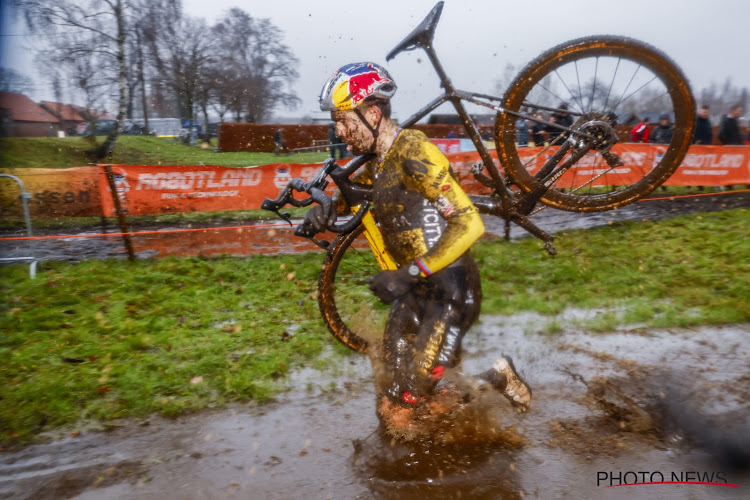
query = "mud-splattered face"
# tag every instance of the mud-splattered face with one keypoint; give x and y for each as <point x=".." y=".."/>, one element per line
<point x="352" y="131"/>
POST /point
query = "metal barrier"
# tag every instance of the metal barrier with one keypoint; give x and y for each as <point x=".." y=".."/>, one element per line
<point x="24" y="202"/>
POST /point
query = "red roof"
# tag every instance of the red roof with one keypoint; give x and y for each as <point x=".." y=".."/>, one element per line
<point x="67" y="111"/>
<point x="23" y="109"/>
<point x="98" y="113"/>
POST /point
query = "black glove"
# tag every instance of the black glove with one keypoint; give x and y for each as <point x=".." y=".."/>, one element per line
<point x="319" y="219"/>
<point x="391" y="285"/>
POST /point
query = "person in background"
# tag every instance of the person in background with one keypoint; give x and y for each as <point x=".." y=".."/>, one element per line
<point x="729" y="128"/>
<point x="332" y="140"/>
<point x="703" y="134"/>
<point x="662" y="133"/>
<point x="641" y="131"/>
<point x="537" y="131"/>
<point x="522" y="132"/>
<point x="280" y="144"/>
<point x="561" y="117"/>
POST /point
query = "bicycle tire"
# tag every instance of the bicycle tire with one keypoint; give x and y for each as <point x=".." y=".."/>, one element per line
<point x="354" y="316"/>
<point x="567" y="195"/>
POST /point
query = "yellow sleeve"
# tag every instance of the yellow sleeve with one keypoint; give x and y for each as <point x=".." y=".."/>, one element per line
<point x="430" y="175"/>
<point x="362" y="176"/>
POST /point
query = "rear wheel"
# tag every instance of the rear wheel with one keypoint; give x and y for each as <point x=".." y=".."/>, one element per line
<point x="601" y="79"/>
<point x="352" y="313"/>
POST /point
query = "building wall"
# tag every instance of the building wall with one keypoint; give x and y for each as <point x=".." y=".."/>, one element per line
<point x="31" y="129"/>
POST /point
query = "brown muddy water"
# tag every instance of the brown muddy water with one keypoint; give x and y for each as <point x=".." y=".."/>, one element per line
<point x="642" y="401"/>
<point x="236" y="241"/>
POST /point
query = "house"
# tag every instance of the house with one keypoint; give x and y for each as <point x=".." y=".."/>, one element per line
<point x="68" y="114"/>
<point x="22" y="117"/>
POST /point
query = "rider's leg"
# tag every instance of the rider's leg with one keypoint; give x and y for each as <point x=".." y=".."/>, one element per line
<point x="442" y="311"/>
<point x="400" y="331"/>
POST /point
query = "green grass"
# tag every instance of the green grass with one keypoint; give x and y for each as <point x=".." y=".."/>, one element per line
<point x="685" y="271"/>
<point x="143" y="331"/>
<point x="46" y="152"/>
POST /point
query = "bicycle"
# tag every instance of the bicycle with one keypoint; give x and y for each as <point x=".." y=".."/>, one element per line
<point x="353" y="315"/>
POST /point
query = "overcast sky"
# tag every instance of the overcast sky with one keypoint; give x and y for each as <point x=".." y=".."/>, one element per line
<point x="474" y="40"/>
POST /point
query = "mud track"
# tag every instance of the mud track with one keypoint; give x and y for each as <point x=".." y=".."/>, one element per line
<point x="666" y="401"/>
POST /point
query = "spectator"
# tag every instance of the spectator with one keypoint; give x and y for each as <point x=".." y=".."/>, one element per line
<point x="561" y="117"/>
<point x="335" y="143"/>
<point x="522" y="132"/>
<point x="280" y="144"/>
<point x="451" y="135"/>
<point x="662" y="134"/>
<point x="641" y="131"/>
<point x="703" y="132"/>
<point x="537" y="131"/>
<point x="729" y="128"/>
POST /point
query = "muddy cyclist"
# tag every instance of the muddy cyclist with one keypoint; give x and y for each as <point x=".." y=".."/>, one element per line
<point x="428" y="224"/>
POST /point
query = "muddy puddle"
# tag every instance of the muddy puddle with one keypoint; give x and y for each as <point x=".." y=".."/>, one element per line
<point x="640" y="401"/>
<point x="258" y="238"/>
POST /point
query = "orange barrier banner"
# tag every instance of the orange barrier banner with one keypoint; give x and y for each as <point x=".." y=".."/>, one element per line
<point x="702" y="166"/>
<point x="84" y="191"/>
<point x="70" y="192"/>
<point x="147" y="189"/>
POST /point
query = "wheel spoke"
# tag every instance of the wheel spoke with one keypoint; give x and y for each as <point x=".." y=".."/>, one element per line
<point x="614" y="76"/>
<point x="580" y="110"/>
<point x="640" y="79"/>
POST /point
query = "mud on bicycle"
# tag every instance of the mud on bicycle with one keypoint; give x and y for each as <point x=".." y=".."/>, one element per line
<point x="581" y="167"/>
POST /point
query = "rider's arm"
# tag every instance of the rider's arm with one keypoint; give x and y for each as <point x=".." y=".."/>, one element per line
<point x="429" y="173"/>
<point x="363" y="177"/>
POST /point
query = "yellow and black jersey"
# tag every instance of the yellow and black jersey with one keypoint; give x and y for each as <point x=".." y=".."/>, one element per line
<point x="423" y="213"/>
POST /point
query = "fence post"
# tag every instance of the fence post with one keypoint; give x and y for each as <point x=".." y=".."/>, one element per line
<point x="118" y="210"/>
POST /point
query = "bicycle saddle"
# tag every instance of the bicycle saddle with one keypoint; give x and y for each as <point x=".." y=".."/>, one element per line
<point x="422" y="34"/>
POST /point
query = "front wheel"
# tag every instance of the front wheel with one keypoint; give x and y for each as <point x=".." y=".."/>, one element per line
<point x="591" y="85"/>
<point x="352" y="313"/>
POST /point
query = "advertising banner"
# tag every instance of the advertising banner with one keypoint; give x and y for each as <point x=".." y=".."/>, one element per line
<point x="702" y="166"/>
<point x="70" y="192"/>
<point x="150" y="189"/>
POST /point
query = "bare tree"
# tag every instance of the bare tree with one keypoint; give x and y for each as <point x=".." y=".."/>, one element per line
<point x="104" y="21"/>
<point x="721" y="98"/>
<point x="185" y="60"/>
<point x="13" y="81"/>
<point x="253" y="51"/>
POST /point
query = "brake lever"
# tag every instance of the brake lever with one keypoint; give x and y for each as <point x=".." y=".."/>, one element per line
<point x="285" y="216"/>
<point x="321" y="243"/>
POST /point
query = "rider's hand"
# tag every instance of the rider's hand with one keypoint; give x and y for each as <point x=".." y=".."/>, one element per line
<point x="391" y="285"/>
<point x="319" y="219"/>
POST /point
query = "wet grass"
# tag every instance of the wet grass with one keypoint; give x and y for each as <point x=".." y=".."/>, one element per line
<point x="109" y="339"/>
<point x="685" y="271"/>
<point x="49" y="152"/>
<point x="100" y="340"/>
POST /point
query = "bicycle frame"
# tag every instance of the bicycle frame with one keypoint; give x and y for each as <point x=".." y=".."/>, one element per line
<point x="512" y="207"/>
<point x="455" y="96"/>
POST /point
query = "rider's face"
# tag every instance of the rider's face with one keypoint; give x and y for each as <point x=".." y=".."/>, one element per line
<point x="352" y="131"/>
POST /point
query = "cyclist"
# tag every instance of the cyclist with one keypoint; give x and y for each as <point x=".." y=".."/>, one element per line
<point x="428" y="224"/>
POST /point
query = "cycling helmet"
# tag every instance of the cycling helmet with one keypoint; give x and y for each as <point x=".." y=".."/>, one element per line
<point x="352" y="84"/>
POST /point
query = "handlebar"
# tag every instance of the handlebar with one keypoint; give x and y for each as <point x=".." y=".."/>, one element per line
<point x="353" y="195"/>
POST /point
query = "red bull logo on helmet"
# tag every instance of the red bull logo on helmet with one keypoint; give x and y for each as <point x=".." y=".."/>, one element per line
<point x="356" y="83"/>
